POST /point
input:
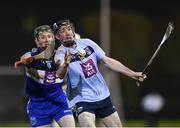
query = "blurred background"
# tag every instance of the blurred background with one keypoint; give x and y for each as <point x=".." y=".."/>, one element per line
<point x="129" y="31"/>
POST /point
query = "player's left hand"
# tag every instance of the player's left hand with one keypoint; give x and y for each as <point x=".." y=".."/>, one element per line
<point x="142" y="77"/>
<point x="139" y="76"/>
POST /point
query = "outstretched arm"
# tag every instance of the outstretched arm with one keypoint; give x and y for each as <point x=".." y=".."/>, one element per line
<point x="119" y="67"/>
<point x="27" y="58"/>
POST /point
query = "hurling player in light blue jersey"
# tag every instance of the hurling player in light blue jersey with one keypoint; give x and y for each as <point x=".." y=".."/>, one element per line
<point x="47" y="101"/>
<point x="86" y="88"/>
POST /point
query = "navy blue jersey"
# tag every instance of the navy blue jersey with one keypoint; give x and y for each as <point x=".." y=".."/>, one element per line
<point x="42" y="82"/>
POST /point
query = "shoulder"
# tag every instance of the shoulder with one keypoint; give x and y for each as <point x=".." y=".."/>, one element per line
<point x="85" y="41"/>
<point x="34" y="50"/>
<point x="60" y="49"/>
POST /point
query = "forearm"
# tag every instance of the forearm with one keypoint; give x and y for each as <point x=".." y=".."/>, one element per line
<point x="119" y="67"/>
<point x="63" y="67"/>
<point x="47" y="53"/>
<point x="62" y="70"/>
<point x="26" y="58"/>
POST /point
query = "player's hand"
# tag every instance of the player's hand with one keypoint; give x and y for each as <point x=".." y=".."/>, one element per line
<point x="142" y="77"/>
<point x="67" y="57"/>
<point x="139" y="76"/>
<point x="26" y="59"/>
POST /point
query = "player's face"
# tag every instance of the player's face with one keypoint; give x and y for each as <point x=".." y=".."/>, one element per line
<point x="44" y="39"/>
<point x="66" y="34"/>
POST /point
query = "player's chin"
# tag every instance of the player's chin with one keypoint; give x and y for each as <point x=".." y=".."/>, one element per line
<point x="68" y="42"/>
<point x="44" y="47"/>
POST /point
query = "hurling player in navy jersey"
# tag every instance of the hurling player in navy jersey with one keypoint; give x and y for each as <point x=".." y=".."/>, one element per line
<point x="47" y="101"/>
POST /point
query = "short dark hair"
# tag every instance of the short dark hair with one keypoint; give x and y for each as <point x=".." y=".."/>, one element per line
<point x="57" y="25"/>
<point x="42" y="28"/>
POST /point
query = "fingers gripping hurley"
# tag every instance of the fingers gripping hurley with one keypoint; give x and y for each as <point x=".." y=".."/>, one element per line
<point x="169" y="29"/>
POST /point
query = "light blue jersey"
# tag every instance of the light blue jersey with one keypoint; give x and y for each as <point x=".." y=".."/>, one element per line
<point x="85" y="82"/>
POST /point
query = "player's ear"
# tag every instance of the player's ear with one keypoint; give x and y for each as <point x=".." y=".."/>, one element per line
<point x="36" y="41"/>
<point x="57" y="36"/>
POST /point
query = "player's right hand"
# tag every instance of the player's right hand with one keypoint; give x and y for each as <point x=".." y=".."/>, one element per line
<point x="26" y="59"/>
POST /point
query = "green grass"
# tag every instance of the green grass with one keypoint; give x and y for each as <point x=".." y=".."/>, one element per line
<point x="161" y="123"/>
<point x="128" y="123"/>
<point x="15" y="124"/>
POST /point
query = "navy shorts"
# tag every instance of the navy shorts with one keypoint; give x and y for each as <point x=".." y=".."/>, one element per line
<point x="43" y="112"/>
<point x="101" y="108"/>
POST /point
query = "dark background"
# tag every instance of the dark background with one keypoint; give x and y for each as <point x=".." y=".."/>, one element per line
<point x="137" y="28"/>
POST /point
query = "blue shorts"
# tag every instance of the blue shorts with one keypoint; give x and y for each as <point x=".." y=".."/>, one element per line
<point x="101" y="108"/>
<point x="43" y="112"/>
